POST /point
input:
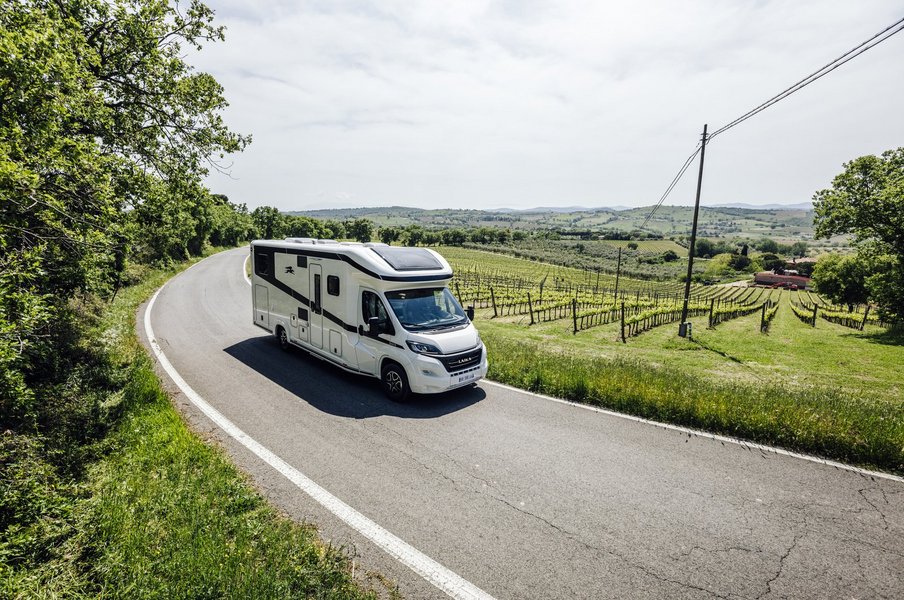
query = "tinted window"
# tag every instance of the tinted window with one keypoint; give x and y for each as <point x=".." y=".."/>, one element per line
<point x="261" y="263"/>
<point x="316" y="306"/>
<point x="372" y="306"/>
<point x="332" y="285"/>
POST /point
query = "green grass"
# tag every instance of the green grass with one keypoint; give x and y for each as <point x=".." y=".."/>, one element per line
<point x="813" y="419"/>
<point x="170" y="517"/>
<point x="158" y="513"/>
<point x="828" y="390"/>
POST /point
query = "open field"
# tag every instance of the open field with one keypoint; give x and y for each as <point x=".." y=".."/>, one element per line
<point x="828" y="389"/>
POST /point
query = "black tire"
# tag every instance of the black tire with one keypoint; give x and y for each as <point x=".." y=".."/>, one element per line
<point x="283" y="337"/>
<point x="395" y="383"/>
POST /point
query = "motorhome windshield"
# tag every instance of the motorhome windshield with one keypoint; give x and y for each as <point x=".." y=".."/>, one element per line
<point x="426" y="309"/>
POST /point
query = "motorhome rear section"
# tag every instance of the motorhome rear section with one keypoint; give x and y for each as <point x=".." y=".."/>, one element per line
<point x="378" y="310"/>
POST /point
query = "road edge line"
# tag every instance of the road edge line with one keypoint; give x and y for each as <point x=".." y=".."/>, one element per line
<point x="682" y="429"/>
<point x="706" y="434"/>
<point x="434" y="573"/>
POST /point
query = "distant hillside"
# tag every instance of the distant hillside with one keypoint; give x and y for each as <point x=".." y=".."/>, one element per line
<point x="798" y="206"/>
<point x="781" y="224"/>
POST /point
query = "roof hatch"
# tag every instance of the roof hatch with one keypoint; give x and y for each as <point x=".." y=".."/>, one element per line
<point x="408" y="259"/>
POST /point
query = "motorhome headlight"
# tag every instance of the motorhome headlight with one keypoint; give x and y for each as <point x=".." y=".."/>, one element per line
<point x="422" y="348"/>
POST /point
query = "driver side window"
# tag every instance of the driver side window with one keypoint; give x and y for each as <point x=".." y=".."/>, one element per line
<point x="372" y="306"/>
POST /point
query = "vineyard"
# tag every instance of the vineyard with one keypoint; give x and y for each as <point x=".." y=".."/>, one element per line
<point x="506" y="287"/>
<point x="775" y="365"/>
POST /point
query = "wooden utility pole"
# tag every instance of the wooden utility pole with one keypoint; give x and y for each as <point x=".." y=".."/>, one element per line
<point x="617" y="274"/>
<point x="682" y="327"/>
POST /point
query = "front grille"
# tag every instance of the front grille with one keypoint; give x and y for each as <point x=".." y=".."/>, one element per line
<point x="459" y="362"/>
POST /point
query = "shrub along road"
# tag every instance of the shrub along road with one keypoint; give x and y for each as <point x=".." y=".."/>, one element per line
<point x="521" y="496"/>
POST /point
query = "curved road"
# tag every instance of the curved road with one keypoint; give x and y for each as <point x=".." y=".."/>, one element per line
<point x="521" y="496"/>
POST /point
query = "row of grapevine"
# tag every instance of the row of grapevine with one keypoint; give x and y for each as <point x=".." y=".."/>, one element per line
<point x="769" y="310"/>
<point x="726" y="313"/>
<point x="804" y="312"/>
<point x="848" y="319"/>
<point x="655" y="317"/>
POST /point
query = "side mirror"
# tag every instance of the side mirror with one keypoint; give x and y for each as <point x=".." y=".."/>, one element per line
<point x="373" y="326"/>
<point x="470" y="312"/>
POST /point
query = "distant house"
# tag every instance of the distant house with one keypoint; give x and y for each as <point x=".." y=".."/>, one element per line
<point x="786" y="279"/>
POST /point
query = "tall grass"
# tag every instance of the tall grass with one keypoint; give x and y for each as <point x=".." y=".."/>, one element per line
<point x="169" y="517"/>
<point x="146" y="509"/>
<point x="821" y="421"/>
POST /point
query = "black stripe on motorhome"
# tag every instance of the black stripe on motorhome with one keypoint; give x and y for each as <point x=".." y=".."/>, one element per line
<point x="349" y="260"/>
<point x="272" y="280"/>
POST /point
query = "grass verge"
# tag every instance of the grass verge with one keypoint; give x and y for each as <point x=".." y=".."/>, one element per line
<point x="153" y="512"/>
<point x="815" y="420"/>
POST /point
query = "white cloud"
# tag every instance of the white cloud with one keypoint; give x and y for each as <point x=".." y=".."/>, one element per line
<point x="486" y="104"/>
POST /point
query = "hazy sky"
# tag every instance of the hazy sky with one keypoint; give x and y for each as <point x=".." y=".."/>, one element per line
<point x="525" y="103"/>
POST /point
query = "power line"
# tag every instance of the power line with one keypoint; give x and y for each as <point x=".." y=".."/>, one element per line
<point x="854" y="52"/>
<point x="672" y="185"/>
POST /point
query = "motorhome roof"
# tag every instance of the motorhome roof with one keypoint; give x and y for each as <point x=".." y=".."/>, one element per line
<point x="391" y="263"/>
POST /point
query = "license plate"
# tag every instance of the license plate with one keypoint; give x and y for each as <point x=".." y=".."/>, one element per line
<point x="466" y="377"/>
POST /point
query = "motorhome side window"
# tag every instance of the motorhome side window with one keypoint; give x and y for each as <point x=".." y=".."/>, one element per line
<point x="316" y="306"/>
<point x="261" y="263"/>
<point x="372" y="306"/>
<point x="332" y="285"/>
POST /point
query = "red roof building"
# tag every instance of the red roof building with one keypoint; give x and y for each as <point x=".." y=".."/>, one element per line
<point x="771" y="279"/>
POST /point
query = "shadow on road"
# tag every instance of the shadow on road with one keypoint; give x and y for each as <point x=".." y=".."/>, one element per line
<point x="337" y="392"/>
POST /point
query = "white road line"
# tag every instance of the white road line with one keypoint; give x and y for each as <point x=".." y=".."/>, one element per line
<point x="704" y="434"/>
<point x="445" y="580"/>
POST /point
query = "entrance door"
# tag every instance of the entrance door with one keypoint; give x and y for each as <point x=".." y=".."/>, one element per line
<point x="316" y="306"/>
<point x="261" y="306"/>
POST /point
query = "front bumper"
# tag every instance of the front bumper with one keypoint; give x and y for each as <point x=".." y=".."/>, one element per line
<point x="427" y="375"/>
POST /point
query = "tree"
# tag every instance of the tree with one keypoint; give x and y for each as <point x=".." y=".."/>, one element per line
<point x="106" y="134"/>
<point x="454" y="237"/>
<point x="767" y="245"/>
<point x="361" y="230"/>
<point x="231" y="224"/>
<point x="772" y="261"/>
<point x="798" y="249"/>
<point x="669" y="256"/>
<point x="390" y="234"/>
<point x="739" y="262"/>
<point x="842" y="279"/>
<point x="333" y="230"/>
<point x="413" y="235"/>
<point x="268" y="222"/>
<point x="866" y="200"/>
<point x="300" y="226"/>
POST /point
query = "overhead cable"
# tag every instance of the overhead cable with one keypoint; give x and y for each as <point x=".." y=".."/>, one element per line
<point x="854" y="52"/>
<point x="672" y="185"/>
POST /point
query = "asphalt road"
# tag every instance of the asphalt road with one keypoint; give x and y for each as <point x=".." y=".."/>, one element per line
<point x="522" y="496"/>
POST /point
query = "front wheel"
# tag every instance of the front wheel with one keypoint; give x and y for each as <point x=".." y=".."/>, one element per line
<point x="395" y="383"/>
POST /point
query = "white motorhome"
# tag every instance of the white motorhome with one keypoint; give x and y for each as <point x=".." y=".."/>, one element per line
<point x="373" y="309"/>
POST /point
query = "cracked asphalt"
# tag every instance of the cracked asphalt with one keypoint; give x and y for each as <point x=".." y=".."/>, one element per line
<point x="524" y="497"/>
